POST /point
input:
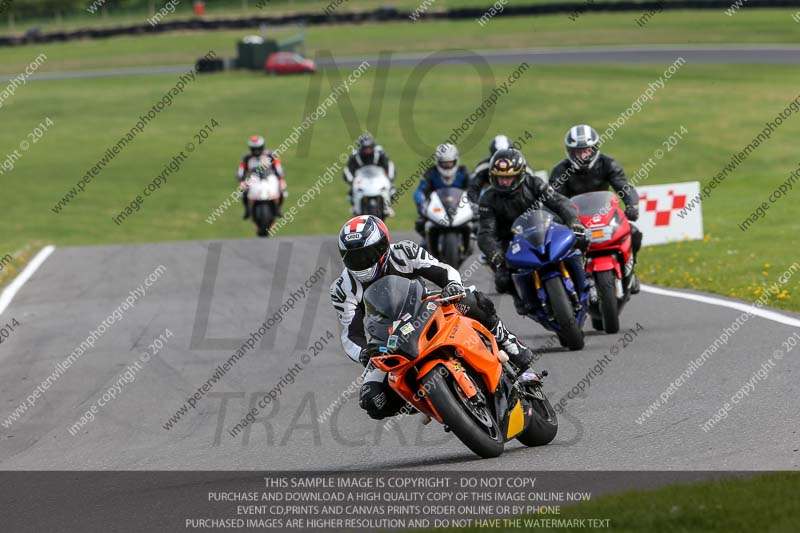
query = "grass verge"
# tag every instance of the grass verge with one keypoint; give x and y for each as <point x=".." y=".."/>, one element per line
<point x="759" y="503"/>
<point x="12" y="264"/>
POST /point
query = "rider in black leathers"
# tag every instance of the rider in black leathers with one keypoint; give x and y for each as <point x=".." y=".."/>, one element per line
<point x="512" y="193"/>
<point x="585" y="169"/>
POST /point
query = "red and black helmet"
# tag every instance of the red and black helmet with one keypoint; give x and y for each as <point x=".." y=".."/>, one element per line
<point x="364" y="245"/>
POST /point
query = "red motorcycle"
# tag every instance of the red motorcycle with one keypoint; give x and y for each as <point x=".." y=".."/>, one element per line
<point x="609" y="259"/>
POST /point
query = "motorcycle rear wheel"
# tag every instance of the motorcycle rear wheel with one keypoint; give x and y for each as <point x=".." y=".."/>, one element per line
<point x="478" y="431"/>
<point x="542" y="426"/>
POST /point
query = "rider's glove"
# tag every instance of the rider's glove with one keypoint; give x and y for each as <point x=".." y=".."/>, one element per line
<point x="577" y="227"/>
<point x="582" y="237"/>
<point x="502" y="280"/>
<point x="364" y="357"/>
<point x="453" y="288"/>
<point x="632" y="212"/>
<point x="497" y="260"/>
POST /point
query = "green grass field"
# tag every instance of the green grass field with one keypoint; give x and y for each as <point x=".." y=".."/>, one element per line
<point x="185" y="10"/>
<point x="721" y="109"/>
<point x="672" y="27"/>
<point x="214" y="9"/>
<point x="760" y="503"/>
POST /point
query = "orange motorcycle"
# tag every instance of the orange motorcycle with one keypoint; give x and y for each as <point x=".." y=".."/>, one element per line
<point x="448" y="367"/>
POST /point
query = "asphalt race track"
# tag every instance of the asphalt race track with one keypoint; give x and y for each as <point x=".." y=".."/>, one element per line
<point x="739" y="54"/>
<point x="211" y="296"/>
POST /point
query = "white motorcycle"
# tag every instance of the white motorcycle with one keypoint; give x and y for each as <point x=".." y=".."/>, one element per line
<point x="263" y="195"/>
<point x="448" y="225"/>
<point x="372" y="190"/>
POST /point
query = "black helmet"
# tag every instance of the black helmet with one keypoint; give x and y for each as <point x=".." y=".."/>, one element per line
<point x="580" y="139"/>
<point x="507" y="169"/>
<point x="366" y="145"/>
<point x="500" y="142"/>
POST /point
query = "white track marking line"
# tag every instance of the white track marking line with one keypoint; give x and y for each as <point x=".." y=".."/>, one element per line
<point x="12" y="289"/>
<point x="752" y="309"/>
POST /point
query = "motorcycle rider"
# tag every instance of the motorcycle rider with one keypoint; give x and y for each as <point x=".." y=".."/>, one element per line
<point x="513" y="192"/>
<point x="369" y="153"/>
<point x="259" y="157"/>
<point x="368" y="254"/>
<point x="585" y="169"/>
<point x="446" y="172"/>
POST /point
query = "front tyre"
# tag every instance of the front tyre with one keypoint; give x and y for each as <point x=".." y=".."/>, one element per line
<point x="605" y="282"/>
<point x="263" y="215"/>
<point x="474" y="425"/>
<point x="450" y="243"/>
<point x="373" y="206"/>
<point x="543" y="422"/>
<point x="571" y="334"/>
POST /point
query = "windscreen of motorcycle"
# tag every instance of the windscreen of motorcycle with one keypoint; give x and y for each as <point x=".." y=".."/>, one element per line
<point x="370" y="172"/>
<point x="533" y="226"/>
<point x="261" y="189"/>
<point x="451" y="199"/>
<point x="395" y="315"/>
<point x="594" y="203"/>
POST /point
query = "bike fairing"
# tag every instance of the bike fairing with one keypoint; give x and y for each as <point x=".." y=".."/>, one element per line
<point x="539" y="248"/>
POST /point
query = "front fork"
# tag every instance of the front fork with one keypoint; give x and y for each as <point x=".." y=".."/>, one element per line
<point x="571" y="280"/>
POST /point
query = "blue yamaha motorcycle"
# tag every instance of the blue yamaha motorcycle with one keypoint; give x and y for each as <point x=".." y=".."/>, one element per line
<point x="548" y="275"/>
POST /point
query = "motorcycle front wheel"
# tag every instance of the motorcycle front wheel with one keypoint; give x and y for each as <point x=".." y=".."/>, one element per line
<point x="374" y="207"/>
<point x="605" y="282"/>
<point x="263" y="215"/>
<point x="474" y="425"/>
<point x="450" y="244"/>
<point x="571" y="334"/>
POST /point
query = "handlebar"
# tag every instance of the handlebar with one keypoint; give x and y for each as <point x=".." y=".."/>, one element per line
<point x="436" y="297"/>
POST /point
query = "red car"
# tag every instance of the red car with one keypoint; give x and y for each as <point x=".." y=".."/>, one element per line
<point x="288" y="63"/>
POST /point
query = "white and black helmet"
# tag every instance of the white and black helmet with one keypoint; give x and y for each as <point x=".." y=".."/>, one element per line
<point x="500" y="142"/>
<point x="580" y="138"/>
<point x="447" y="161"/>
